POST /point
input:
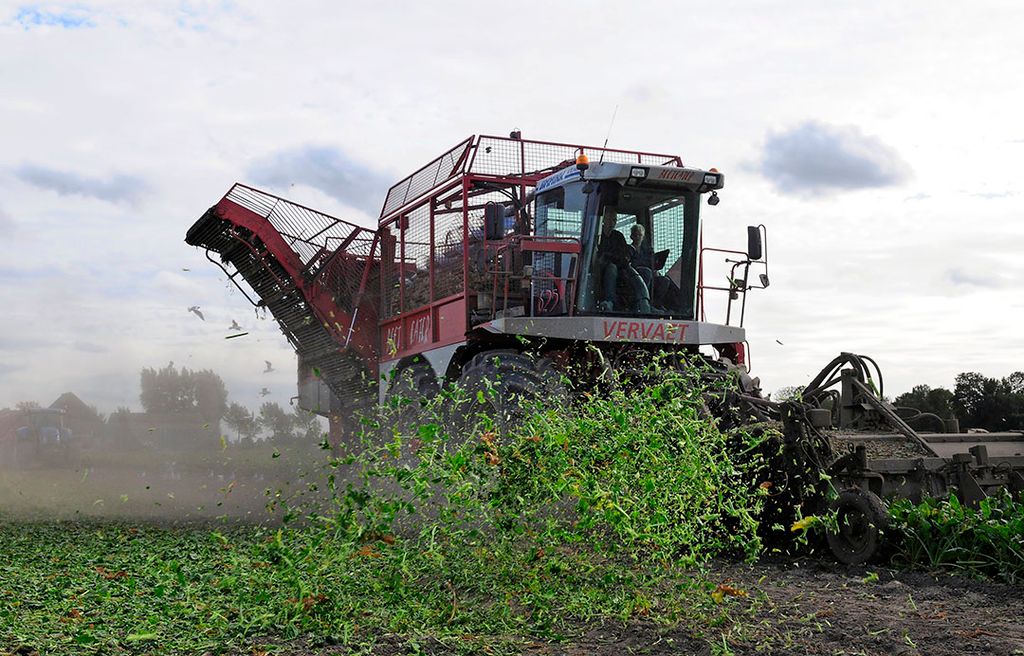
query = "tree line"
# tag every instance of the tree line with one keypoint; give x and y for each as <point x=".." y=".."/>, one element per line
<point x="976" y="400"/>
<point x="173" y="392"/>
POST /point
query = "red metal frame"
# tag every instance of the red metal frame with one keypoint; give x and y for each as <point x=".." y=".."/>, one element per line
<point x="513" y="164"/>
<point x="322" y="304"/>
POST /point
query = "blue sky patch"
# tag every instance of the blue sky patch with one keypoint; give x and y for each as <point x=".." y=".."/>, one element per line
<point x="71" y="18"/>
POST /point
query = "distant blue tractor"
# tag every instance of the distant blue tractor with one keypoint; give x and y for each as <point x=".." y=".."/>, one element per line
<point x="43" y="438"/>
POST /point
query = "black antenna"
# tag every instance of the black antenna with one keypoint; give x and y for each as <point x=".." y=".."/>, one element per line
<point x="600" y="161"/>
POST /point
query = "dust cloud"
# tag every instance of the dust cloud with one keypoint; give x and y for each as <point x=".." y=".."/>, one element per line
<point x="132" y="466"/>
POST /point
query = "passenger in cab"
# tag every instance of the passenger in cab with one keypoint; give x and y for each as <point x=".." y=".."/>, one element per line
<point x="614" y="266"/>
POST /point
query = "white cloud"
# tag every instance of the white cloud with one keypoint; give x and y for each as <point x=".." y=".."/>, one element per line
<point x="326" y="168"/>
<point x="117" y="188"/>
<point x="6" y="223"/>
<point x="985" y="280"/>
<point x="817" y="158"/>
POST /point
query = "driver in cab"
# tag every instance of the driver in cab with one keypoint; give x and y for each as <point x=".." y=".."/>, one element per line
<point x="614" y="266"/>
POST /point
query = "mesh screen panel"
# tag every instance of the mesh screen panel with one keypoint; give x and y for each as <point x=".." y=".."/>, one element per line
<point x="342" y="272"/>
<point x="550" y="286"/>
<point x="314" y="237"/>
<point x="554" y="222"/>
<point x="448" y="241"/>
<point x="668" y="235"/>
<point x="500" y="156"/>
<point x="306" y="230"/>
<point x="479" y="256"/>
<point x="389" y="252"/>
<point x="430" y="176"/>
<point x="416" y="263"/>
<point x="497" y="156"/>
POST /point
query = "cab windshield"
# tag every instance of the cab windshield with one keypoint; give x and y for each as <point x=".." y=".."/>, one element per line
<point x="639" y="247"/>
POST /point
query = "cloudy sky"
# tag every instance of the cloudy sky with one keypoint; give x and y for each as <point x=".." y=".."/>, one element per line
<point x="879" y="142"/>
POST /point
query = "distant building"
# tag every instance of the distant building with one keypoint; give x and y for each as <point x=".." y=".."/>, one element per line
<point x="85" y="423"/>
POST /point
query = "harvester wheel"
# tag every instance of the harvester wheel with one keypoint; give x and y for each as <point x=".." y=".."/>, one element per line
<point x="861" y="519"/>
<point x="506" y="378"/>
<point x="414" y="382"/>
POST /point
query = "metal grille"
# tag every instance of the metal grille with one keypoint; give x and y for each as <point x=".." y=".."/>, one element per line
<point x="416" y="260"/>
<point x="307" y="231"/>
<point x="448" y="253"/>
<point x="504" y="157"/>
<point x="551" y="286"/>
<point x="511" y="157"/>
<point x="479" y="281"/>
<point x="430" y="176"/>
<point x="389" y="254"/>
<point x="341" y="273"/>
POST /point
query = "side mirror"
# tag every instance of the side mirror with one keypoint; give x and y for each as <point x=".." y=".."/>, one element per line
<point x="494" y="221"/>
<point x="754" y="243"/>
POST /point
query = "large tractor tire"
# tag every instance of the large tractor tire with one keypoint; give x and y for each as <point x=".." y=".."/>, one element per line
<point x="861" y="520"/>
<point x="413" y="386"/>
<point x="508" y="381"/>
<point x="414" y="382"/>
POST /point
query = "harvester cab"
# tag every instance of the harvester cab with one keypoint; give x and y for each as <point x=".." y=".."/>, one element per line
<point x="638" y="228"/>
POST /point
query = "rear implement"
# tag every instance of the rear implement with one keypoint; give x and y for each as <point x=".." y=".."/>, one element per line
<point x="870" y="453"/>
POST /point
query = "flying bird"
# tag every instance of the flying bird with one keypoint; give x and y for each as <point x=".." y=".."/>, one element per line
<point x="195" y="310"/>
<point x="264" y="391"/>
<point x="779" y="343"/>
<point x="234" y="325"/>
<point x="184" y="269"/>
<point x="269" y="368"/>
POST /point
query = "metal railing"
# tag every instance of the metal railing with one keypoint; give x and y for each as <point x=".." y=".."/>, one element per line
<point x="504" y="157"/>
<point x="310" y="233"/>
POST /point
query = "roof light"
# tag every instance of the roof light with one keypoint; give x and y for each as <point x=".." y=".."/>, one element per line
<point x="638" y="172"/>
<point x="582" y="162"/>
<point x="713" y="170"/>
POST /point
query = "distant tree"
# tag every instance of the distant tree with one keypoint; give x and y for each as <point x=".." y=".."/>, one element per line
<point x="243" y="421"/>
<point x="971" y="391"/>
<point x="989" y="403"/>
<point x="1015" y="383"/>
<point x="938" y="401"/>
<point x="26" y="405"/>
<point x="788" y="393"/>
<point x="170" y="391"/>
<point x="279" y="424"/>
<point x="1012" y="388"/>
<point x="308" y="428"/>
<point x="119" y="427"/>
